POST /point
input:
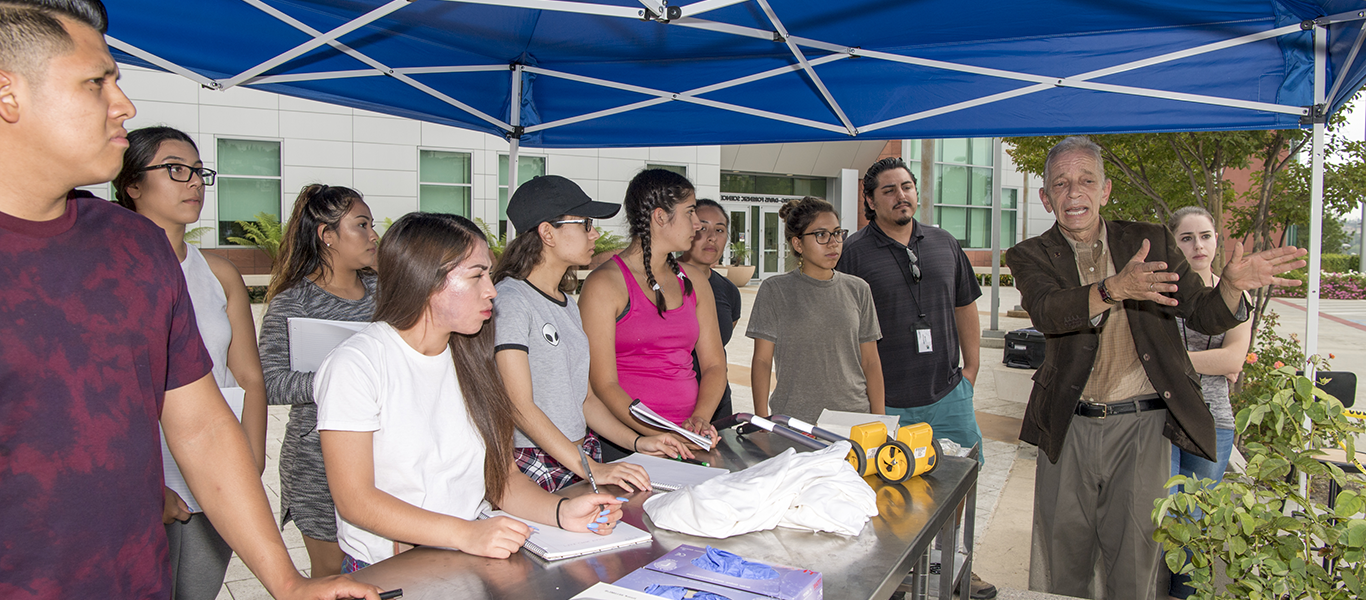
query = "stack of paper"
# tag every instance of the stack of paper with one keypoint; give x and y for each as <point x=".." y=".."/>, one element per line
<point x="840" y="422"/>
<point x="310" y="340"/>
<point x="653" y="419"/>
<point x="668" y="474"/>
<point x="553" y="543"/>
<point x="607" y="591"/>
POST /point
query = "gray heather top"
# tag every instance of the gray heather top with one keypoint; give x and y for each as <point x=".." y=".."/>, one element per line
<point x="816" y="328"/>
<point x="1214" y="387"/>
<point x="284" y="386"/>
<point x="550" y="332"/>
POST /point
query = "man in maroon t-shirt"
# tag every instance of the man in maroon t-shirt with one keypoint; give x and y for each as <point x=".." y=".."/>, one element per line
<point x="97" y="341"/>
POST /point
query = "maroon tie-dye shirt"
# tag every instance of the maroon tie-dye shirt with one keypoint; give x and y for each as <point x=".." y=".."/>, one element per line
<point x="95" y="326"/>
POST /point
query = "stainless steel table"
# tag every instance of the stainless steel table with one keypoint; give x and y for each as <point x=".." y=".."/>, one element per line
<point x="872" y="565"/>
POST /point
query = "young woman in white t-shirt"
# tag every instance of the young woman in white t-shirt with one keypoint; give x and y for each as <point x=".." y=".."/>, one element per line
<point x="538" y="323"/>
<point x="415" y="423"/>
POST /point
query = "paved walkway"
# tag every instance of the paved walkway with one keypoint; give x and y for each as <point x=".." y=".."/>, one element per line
<point x="1006" y="484"/>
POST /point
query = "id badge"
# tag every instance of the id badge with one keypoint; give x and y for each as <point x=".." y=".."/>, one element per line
<point x="924" y="344"/>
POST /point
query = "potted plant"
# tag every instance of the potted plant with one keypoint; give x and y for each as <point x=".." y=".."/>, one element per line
<point x="497" y="243"/>
<point x="739" y="272"/>
<point x="606" y="246"/>
<point x="264" y="234"/>
<point x="1271" y="539"/>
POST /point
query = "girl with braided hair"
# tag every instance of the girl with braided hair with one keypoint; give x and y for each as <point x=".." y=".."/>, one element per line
<point x="645" y="313"/>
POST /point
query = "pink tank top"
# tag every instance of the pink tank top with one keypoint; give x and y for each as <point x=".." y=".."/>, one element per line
<point x="654" y="354"/>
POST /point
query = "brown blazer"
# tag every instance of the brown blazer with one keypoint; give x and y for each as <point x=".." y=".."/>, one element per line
<point x="1045" y="271"/>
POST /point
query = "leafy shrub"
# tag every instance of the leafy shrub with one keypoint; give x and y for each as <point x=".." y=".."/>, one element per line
<point x="984" y="280"/>
<point x="609" y="241"/>
<point x="1271" y="538"/>
<point x="1332" y="286"/>
<point x="264" y="233"/>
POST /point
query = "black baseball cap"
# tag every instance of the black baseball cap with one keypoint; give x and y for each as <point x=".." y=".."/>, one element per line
<point x="549" y="196"/>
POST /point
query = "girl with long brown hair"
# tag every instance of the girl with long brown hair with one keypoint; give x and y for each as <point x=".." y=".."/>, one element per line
<point x="323" y="271"/>
<point x="416" y="425"/>
<point x="642" y="342"/>
<point x="538" y="323"/>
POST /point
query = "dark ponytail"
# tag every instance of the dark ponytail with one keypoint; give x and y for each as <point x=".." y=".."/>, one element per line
<point x="302" y="251"/>
<point x="648" y="190"/>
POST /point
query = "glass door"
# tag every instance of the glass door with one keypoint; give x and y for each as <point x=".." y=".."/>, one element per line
<point x="771" y="250"/>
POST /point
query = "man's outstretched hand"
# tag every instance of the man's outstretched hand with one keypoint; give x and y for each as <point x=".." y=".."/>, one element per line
<point x="1140" y="280"/>
<point x="1253" y="271"/>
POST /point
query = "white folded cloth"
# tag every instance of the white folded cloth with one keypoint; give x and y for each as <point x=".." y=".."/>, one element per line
<point x="815" y="491"/>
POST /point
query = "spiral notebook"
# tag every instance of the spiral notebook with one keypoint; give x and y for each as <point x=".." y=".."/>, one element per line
<point x="667" y="474"/>
<point x="553" y="543"/>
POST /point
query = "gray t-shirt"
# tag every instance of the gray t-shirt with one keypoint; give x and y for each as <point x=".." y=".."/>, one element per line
<point x="1213" y="387"/>
<point x="551" y="334"/>
<point x="816" y="328"/>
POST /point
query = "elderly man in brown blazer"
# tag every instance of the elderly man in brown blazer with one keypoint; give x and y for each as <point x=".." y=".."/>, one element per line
<point x="1116" y="379"/>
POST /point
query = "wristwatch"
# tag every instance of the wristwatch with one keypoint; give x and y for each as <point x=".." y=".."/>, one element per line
<point x="1104" y="293"/>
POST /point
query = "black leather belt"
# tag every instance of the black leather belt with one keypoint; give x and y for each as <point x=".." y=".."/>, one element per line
<point x="1097" y="410"/>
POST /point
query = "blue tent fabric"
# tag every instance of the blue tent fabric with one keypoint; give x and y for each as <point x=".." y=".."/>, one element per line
<point x="1055" y="39"/>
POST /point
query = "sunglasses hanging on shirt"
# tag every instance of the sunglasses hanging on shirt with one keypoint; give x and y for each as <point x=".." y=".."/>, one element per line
<point x="915" y="265"/>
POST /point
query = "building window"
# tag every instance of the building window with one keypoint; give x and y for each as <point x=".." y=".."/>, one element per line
<point x="444" y="182"/>
<point x="528" y="167"/>
<point x="248" y="184"/>
<point x="772" y="185"/>
<point x="680" y="169"/>
<point x="962" y="190"/>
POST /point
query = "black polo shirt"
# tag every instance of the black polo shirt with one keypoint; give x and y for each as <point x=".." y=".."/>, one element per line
<point x="947" y="282"/>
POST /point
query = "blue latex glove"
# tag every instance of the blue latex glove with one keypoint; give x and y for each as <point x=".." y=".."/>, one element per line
<point x="673" y="592"/>
<point x="729" y="563"/>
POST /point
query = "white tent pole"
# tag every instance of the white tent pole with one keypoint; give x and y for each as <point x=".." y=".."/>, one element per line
<point x="1311" y="324"/>
<point x="583" y="8"/>
<point x="810" y="72"/>
<point x="693" y="92"/>
<point x="399" y="74"/>
<point x="1347" y="64"/>
<point x="514" y="140"/>
<point x="1311" y="296"/>
<point x="317" y="41"/>
<point x="996" y="157"/>
<point x="161" y="62"/>
<point x="681" y="98"/>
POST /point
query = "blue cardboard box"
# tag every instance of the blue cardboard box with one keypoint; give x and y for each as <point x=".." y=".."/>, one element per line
<point x="677" y="569"/>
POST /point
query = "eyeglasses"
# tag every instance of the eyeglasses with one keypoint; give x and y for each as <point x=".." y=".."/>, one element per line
<point x="587" y="223"/>
<point x="183" y="173"/>
<point x="825" y="237"/>
<point x="915" y="265"/>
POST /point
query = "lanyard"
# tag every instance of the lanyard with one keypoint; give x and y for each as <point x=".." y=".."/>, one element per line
<point x="912" y="284"/>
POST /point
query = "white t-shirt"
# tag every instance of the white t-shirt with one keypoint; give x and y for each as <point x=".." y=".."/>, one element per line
<point x="427" y="451"/>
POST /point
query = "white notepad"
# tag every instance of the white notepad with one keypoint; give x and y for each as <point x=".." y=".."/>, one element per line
<point x="668" y="474"/>
<point x="607" y="591"/>
<point x="553" y="543"/>
<point x="648" y="416"/>
<point x="840" y="422"/>
<point x="310" y="340"/>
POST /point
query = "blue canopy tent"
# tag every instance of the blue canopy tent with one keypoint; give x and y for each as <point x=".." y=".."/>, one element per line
<point x="603" y="73"/>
